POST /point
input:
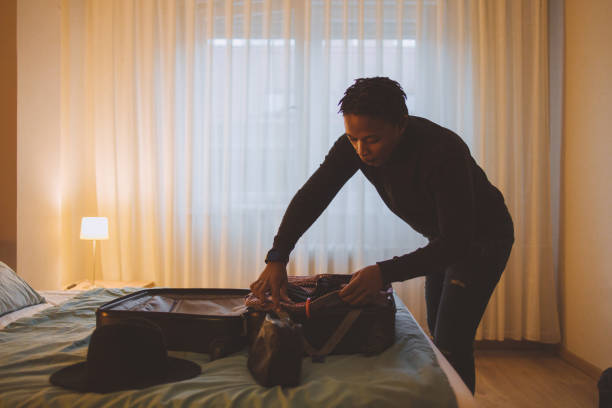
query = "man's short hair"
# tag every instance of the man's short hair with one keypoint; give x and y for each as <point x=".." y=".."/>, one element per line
<point x="378" y="96"/>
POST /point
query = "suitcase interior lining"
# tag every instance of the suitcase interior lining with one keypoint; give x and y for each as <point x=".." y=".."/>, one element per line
<point x="195" y="304"/>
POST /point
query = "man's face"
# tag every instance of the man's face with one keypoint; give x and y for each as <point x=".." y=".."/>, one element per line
<point x="373" y="139"/>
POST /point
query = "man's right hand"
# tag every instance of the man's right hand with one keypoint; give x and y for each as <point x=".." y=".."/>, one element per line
<point x="273" y="279"/>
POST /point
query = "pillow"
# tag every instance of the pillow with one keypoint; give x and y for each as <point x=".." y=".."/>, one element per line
<point x="15" y="293"/>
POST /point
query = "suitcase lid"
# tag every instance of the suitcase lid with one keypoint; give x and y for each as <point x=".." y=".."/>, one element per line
<point x="189" y="302"/>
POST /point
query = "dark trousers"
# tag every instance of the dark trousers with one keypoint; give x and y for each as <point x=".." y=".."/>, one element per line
<point x="456" y="299"/>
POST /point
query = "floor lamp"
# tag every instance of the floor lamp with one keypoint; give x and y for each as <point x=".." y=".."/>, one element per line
<point x="94" y="229"/>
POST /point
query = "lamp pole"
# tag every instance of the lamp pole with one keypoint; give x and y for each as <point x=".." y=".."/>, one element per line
<point x="94" y="263"/>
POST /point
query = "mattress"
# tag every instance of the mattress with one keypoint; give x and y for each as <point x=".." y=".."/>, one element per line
<point x="411" y="373"/>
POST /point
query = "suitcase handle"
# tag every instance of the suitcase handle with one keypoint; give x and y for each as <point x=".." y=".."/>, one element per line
<point x="334" y="339"/>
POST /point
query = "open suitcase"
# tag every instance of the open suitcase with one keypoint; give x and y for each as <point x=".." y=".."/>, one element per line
<point x="222" y="321"/>
<point x="211" y="321"/>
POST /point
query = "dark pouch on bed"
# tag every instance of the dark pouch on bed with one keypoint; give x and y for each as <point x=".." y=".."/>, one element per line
<point x="329" y="325"/>
<point x="275" y="357"/>
<point x="200" y="320"/>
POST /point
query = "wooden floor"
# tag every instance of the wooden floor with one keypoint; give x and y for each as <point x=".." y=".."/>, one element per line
<point x="528" y="379"/>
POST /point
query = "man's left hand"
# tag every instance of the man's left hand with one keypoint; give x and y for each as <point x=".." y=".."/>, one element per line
<point x="363" y="287"/>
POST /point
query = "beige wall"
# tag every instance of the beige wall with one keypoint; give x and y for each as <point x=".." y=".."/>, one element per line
<point x="38" y="142"/>
<point x="8" y="132"/>
<point x="586" y="202"/>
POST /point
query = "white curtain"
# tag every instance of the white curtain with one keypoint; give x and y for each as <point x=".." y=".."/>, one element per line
<point x="191" y="124"/>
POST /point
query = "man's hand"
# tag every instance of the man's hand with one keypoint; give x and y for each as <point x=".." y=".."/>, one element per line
<point x="364" y="285"/>
<point x="273" y="279"/>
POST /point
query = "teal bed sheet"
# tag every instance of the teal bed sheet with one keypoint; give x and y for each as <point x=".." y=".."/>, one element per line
<point x="407" y="374"/>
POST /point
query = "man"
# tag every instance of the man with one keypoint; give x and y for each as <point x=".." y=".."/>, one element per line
<point x="426" y="175"/>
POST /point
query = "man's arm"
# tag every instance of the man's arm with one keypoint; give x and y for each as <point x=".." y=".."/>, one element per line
<point x="451" y="183"/>
<point x="308" y="203"/>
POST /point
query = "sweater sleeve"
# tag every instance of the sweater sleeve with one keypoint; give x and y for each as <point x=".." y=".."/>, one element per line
<point x="451" y="184"/>
<point x="308" y="203"/>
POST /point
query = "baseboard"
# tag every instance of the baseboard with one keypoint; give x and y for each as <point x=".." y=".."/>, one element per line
<point x="577" y="362"/>
<point x="516" y="345"/>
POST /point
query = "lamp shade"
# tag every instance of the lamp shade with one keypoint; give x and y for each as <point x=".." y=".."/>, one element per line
<point x="94" y="228"/>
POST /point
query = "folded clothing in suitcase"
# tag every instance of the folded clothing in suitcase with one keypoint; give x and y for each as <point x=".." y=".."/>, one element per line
<point x="330" y="325"/>
<point x="201" y="320"/>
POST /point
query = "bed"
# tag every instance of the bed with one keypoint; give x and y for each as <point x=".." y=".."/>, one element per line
<point x="38" y="340"/>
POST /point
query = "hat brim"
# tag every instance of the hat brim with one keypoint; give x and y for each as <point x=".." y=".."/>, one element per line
<point x="74" y="377"/>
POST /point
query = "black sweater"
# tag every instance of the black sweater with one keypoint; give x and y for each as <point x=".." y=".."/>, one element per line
<point x="430" y="181"/>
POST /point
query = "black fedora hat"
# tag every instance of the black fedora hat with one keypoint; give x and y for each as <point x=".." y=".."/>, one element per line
<point x="126" y="355"/>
